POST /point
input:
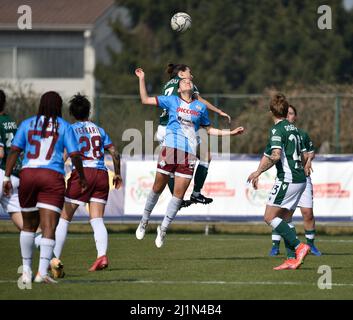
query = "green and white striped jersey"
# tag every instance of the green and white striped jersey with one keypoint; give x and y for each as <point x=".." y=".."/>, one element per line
<point x="285" y="136"/>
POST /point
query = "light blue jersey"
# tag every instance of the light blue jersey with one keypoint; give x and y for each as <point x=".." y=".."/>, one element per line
<point x="92" y="141"/>
<point x="185" y="120"/>
<point x="47" y="152"/>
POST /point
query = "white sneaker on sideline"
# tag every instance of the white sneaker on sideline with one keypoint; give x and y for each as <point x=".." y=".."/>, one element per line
<point x="160" y="237"/>
<point x="141" y="230"/>
<point x="44" y="279"/>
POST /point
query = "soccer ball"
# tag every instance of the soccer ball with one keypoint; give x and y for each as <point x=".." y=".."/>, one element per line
<point x="180" y="22"/>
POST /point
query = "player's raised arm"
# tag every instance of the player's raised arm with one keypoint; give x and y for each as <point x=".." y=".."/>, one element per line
<point x="145" y="99"/>
<point x="213" y="108"/>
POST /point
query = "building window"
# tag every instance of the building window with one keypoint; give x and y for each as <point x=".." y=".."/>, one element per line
<point x="6" y="63"/>
<point x="41" y="63"/>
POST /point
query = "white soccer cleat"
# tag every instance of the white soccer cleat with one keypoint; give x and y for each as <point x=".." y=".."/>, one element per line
<point x="160" y="237"/>
<point x="45" y="279"/>
<point x="141" y="230"/>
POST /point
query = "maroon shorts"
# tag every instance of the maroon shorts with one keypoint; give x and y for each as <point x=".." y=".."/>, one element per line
<point x="177" y="162"/>
<point x="41" y="188"/>
<point x="97" y="191"/>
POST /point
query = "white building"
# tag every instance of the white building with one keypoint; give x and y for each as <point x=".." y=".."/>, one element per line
<point x="61" y="49"/>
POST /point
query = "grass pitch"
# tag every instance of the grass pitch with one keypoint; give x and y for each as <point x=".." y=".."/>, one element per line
<point x="188" y="266"/>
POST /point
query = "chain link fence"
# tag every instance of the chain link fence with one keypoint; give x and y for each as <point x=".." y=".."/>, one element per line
<point x="326" y="117"/>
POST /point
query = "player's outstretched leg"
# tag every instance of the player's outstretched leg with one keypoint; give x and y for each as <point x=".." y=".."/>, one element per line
<point x="288" y="234"/>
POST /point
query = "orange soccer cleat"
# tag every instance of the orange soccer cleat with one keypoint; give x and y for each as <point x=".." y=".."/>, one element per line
<point x="301" y="252"/>
<point x="100" y="264"/>
<point x="289" y="264"/>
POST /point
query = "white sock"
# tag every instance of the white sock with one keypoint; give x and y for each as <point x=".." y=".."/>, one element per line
<point x="46" y="253"/>
<point x="172" y="209"/>
<point x="151" y="201"/>
<point x="38" y="237"/>
<point x="100" y="236"/>
<point x="60" y="236"/>
<point x="26" y="243"/>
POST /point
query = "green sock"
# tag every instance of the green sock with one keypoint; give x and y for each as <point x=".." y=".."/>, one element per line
<point x="200" y="177"/>
<point x="276" y="239"/>
<point x="171" y="185"/>
<point x="310" y="236"/>
<point x="290" y="250"/>
<point x="286" y="232"/>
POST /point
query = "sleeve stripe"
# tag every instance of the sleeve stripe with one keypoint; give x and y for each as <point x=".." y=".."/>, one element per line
<point x="266" y="155"/>
<point x="276" y="147"/>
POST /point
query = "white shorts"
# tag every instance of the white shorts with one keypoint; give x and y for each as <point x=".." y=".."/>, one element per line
<point x="306" y="200"/>
<point x="10" y="204"/>
<point x="161" y="133"/>
<point x="286" y="195"/>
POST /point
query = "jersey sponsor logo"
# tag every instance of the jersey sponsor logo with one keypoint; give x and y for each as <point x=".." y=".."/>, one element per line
<point x="171" y="82"/>
<point x="290" y="127"/>
<point x="274" y="131"/>
<point x="276" y="138"/>
<point x="10" y="125"/>
<point x="188" y="111"/>
<point x="162" y="163"/>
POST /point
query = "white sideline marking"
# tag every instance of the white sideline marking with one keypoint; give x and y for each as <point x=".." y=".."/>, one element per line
<point x="236" y="283"/>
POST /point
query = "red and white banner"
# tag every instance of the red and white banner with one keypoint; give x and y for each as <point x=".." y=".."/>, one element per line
<point x="226" y="184"/>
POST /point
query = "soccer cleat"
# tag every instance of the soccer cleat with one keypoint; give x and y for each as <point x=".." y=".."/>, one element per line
<point x="141" y="230"/>
<point x="200" y="199"/>
<point x="57" y="268"/>
<point x="315" y="251"/>
<point x="100" y="264"/>
<point x="274" y="251"/>
<point x="160" y="237"/>
<point x="301" y="252"/>
<point x="185" y="204"/>
<point x="289" y="264"/>
<point x="44" y="279"/>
